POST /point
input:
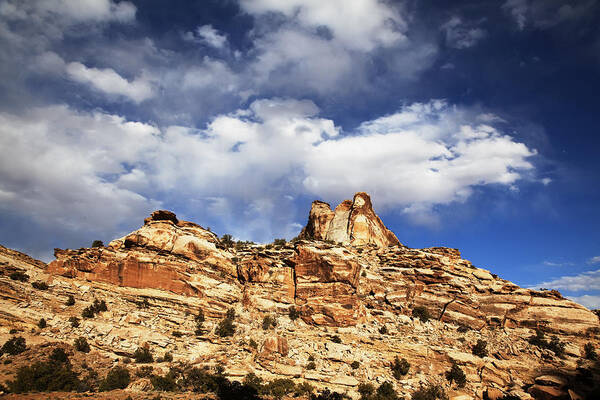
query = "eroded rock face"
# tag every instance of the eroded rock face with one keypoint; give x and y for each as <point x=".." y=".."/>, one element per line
<point x="179" y="257"/>
<point x="352" y="222"/>
<point x="326" y="285"/>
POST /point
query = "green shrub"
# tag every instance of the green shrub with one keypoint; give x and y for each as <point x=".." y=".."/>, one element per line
<point x="97" y="243"/>
<point x="164" y="383"/>
<point x="177" y="334"/>
<point x="39" y="285"/>
<point x="74" y="321"/>
<point x="269" y="322"/>
<point x="293" y="313"/>
<point x="59" y="355"/>
<point x="366" y="391"/>
<point x="326" y="394"/>
<point x="431" y="392"/>
<point x="303" y="389"/>
<point x="311" y="365"/>
<point x="456" y="375"/>
<point x="45" y="377"/>
<point x="226" y="327"/>
<point x="355" y="365"/>
<point x="279" y="242"/>
<point x="88" y="312"/>
<point x="280" y="387"/>
<point x="81" y="344"/>
<point x="230" y="314"/>
<point x="400" y="367"/>
<point x="96" y="308"/>
<point x="554" y="345"/>
<point x="19" y="276"/>
<point x="117" y="378"/>
<point x="383" y="330"/>
<point x="42" y="323"/>
<point x="200" y="316"/>
<point x="227" y="241"/>
<point x="421" y="313"/>
<point x="590" y="351"/>
<point x="14" y="346"/>
<point x="311" y="358"/>
<point x="70" y="300"/>
<point x="143" y="355"/>
<point x="480" y="349"/>
<point x="363" y="274"/>
<point x="252" y="343"/>
<point x="336" y="339"/>
<point x="168" y="357"/>
<point x="386" y="391"/>
<point x="99" y="306"/>
<point x="144" y="371"/>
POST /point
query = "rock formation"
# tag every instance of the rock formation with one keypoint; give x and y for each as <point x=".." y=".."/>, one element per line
<point x="364" y="291"/>
<point x="352" y="223"/>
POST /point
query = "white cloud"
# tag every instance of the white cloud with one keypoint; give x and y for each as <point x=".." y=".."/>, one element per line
<point x="66" y="167"/>
<point x="108" y="81"/>
<point x="590" y="301"/>
<point x="594" y="260"/>
<point x="518" y="10"/>
<point x="586" y="281"/>
<point x="208" y="35"/>
<point x="460" y="35"/>
<point x="557" y="264"/>
<point x="61" y="166"/>
<point x="363" y="25"/>
<point x="70" y="11"/>
<point x="544" y="14"/>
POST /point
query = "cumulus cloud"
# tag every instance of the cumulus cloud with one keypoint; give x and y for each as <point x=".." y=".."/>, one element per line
<point x="61" y="166"/>
<point x="590" y="301"/>
<point x="586" y="281"/>
<point x="246" y="164"/>
<point x="363" y="26"/>
<point x="544" y="14"/>
<point x="208" y="35"/>
<point x="108" y="81"/>
<point x="594" y="260"/>
<point x="461" y="35"/>
<point x="70" y="11"/>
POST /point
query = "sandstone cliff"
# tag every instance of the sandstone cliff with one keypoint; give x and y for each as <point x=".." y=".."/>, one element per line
<point x="353" y="222"/>
<point x="155" y="280"/>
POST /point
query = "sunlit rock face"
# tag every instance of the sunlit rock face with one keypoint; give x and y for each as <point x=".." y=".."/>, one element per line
<point x="346" y="276"/>
<point x="351" y="223"/>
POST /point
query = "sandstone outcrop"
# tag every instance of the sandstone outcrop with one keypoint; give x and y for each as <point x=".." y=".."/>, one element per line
<point x="351" y="223"/>
<point x="361" y="294"/>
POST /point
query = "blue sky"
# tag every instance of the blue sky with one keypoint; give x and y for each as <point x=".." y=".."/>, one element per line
<point x="472" y="124"/>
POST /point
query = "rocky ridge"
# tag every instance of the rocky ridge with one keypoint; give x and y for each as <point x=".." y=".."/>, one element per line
<point x="362" y="291"/>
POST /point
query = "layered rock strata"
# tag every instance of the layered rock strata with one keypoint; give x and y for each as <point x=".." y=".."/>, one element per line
<point x="353" y="222"/>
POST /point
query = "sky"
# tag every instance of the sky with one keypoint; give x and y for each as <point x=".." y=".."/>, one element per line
<point x="472" y="124"/>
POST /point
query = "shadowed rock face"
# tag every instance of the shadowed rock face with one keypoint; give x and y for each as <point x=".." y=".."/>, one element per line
<point x="351" y="223"/>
